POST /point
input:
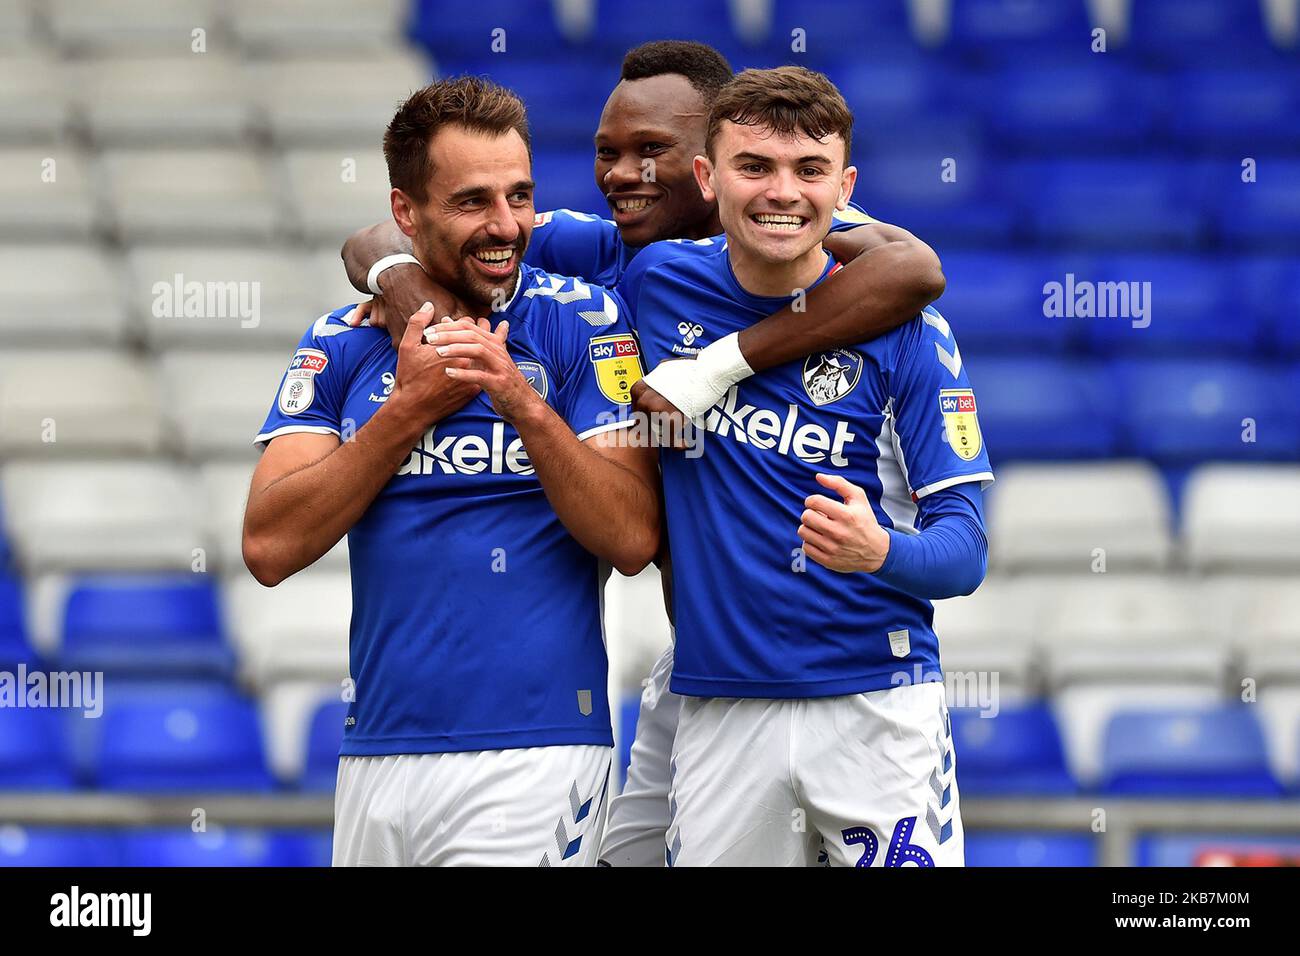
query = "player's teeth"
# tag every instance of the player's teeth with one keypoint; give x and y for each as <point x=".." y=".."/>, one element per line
<point x="495" y="256"/>
<point x="632" y="205"/>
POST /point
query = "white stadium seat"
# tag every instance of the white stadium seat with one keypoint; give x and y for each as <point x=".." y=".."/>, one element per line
<point x="1113" y="627"/>
<point x="335" y="101"/>
<point x="60" y="296"/>
<point x="991" y="631"/>
<point x="34" y="104"/>
<point x="287" y="711"/>
<point x="95" y="515"/>
<point x="1243" y="518"/>
<point x="130" y="26"/>
<point x="334" y="192"/>
<point x="330" y="286"/>
<point x="298" y="629"/>
<point x="216" y="402"/>
<point x="231" y="298"/>
<point x="46" y="194"/>
<point x="190" y="195"/>
<point x="278" y="27"/>
<point x="1057" y="516"/>
<point x="184" y="99"/>
<point x="1260" y="617"/>
<point x="77" y="402"/>
<point x="19" y="30"/>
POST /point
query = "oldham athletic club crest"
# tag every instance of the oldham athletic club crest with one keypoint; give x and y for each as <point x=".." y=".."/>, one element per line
<point x="535" y="375"/>
<point x="960" y="423"/>
<point x="829" y="376"/>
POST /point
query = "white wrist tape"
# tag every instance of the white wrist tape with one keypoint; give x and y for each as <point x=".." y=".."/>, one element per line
<point x="695" y="387"/>
<point x="372" y="278"/>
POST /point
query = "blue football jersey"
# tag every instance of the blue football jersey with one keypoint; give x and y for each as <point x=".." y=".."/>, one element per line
<point x="896" y="416"/>
<point x="581" y="244"/>
<point x="476" y="616"/>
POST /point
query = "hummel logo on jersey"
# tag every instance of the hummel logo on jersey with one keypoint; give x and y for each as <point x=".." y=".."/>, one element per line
<point x="689" y="331"/>
<point x="389" y="380"/>
<point x="468" y="455"/>
<point x="765" y="428"/>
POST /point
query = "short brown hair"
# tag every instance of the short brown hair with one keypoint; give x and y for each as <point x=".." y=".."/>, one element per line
<point x="785" y="100"/>
<point x="473" y="102"/>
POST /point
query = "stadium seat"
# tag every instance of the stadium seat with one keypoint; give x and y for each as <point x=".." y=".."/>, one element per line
<point x="54" y="846"/>
<point x="34" y="106"/>
<point x="229" y="298"/>
<point x="1264" y="213"/>
<point x="145" y="625"/>
<point x="224" y="488"/>
<point x="1188" y="303"/>
<point x="14" y="648"/>
<point x="1016" y="751"/>
<point x="991" y="632"/>
<point x="198" y="737"/>
<point x="19" y="28"/>
<point x="1180" y="411"/>
<point x="77" y="402"/>
<point x="336" y="101"/>
<point x="1045" y="408"/>
<point x="330" y="286"/>
<point x="834" y="30"/>
<point x="992" y="28"/>
<point x="140" y="517"/>
<point x="1196" y="32"/>
<point x="174" y="100"/>
<point x="1234" y="111"/>
<point x="1260" y="616"/>
<point x="987" y="848"/>
<point x="190" y="195"/>
<point x="288" y="709"/>
<point x="297" y="629"/>
<point x="334" y="192"/>
<point x="1243" y="518"/>
<point x="219" y="400"/>
<point x="994" y="301"/>
<point x="34" y="751"/>
<point x="318" y="27"/>
<point x="1268" y="288"/>
<point x="1056" y="516"/>
<point x="1109" y="203"/>
<point x="320" y="770"/>
<point x="563" y="98"/>
<point x="564" y="181"/>
<point x="451" y="29"/>
<point x="621" y="26"/>
<point x="1073" y="108"/>
<point x="216" y="846"/>
<point x="1116" y="627"/>
<point x="1187" y="753"/>
<point x="899" y="92"/>
<point x="128" y="27"/>
<point x="46" y="194"/>
<point x="59" y="296"/>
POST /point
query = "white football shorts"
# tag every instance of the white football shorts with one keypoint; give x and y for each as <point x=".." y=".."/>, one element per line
<point x="531" y="806"/>
<point x="870" y="778"/>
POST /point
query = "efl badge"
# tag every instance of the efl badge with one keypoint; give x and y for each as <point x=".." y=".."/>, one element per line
<point x="961" y="426"/>
<point x="299" y="386"/>
<point x="618" y="366"/>
<point x="535" y="375"/>
<point x="829" y="376"/>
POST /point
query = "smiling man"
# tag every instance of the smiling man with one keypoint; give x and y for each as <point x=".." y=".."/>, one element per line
<point x="834" y="499"/>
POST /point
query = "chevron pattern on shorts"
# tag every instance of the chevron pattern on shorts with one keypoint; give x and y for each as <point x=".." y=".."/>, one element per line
<point x="939" y="813"/>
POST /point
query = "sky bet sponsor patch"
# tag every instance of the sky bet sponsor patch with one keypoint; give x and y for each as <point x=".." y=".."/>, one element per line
<point x="961" y="426"/>
<point x="299" y="386"/>
<point x="617" y="359"/>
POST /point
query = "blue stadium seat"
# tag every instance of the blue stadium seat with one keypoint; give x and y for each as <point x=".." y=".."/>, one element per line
<point x="892" y="94"/>
<point x="994" y="301"/>
<point x="1030" y="849"/>
<point x="1191" y="308"/>
<point x="459" y="31"/>
<point x="307" y="847"/>
<point x="1243" y="112"/>
<point x="1268" y="287"/>
<point x="564" y="97"/>
<point x="145" y="624"/>
<point x="34" y="751"/>
<point x="1110" y="203"/>
<point x="1097" y="107"/>
<point x="1002" y="28"/>
<point x="621" y="26"/>
<point x="324" y="735"/>
<point x="1261" y="214"/>
<point x="1183" y="410"/>
<point x="1043" y="408"/>
<point x="177" y="737"/>
<point x="835" y="30"/>
<point x="14" y="648"/>
<point x="52" y="846"/>
<point x="1195" y="32"/>
<point x="218" y="846"/>
<point x="1187" y="753"/>
<point x="1018" y="751"/>
<point x="565" y="180"/>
